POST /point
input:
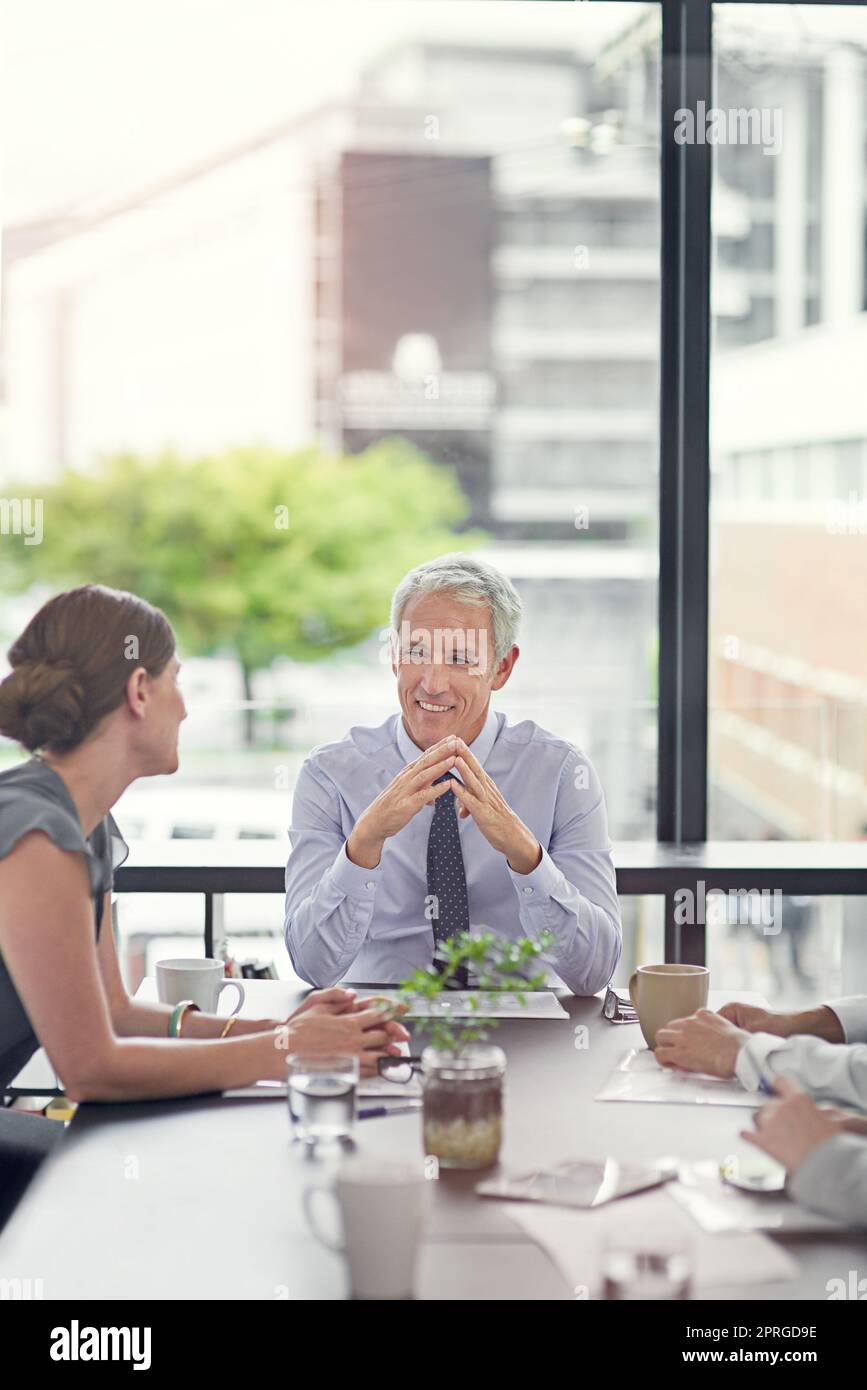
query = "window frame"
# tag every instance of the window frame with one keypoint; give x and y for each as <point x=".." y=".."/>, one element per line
<point x="684" y="469"/>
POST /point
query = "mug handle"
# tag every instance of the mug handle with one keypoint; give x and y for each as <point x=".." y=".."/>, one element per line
<point x="240" y="988"/>
<point x="632" y="982"/>
<point x="307" y="1203"/>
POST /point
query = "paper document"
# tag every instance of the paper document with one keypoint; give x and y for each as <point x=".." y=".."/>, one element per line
<point x="639" y="1077"/>
<point x="368" y="1087"/>
<point x="575" y="1183"/>
<point x="458" y="1003"/>
<point x="717" y="1206"/>
<point x="574" y="1241"/>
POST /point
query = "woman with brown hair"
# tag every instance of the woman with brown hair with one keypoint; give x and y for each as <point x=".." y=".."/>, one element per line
<point x="93" y="694"/>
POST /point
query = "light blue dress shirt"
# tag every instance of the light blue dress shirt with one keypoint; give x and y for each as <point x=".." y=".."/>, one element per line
<point x="345" y="923"/>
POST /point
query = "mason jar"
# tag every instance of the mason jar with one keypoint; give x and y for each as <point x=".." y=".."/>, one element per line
<point x="463" y="1104"/>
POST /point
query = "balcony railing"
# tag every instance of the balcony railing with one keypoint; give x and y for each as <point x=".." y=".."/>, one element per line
<point x="816" y="868"/>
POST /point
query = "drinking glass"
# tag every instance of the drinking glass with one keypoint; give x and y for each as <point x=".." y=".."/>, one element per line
<point x="321" y="1093"/>
<point x="652" y="1266"/>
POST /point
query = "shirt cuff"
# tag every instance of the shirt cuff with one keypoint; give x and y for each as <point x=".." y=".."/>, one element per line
<point x="538" y="885"/>
<point x="852" y="1013"/>
<point x="353" y="880"/>
<point x="750" y="1062"/>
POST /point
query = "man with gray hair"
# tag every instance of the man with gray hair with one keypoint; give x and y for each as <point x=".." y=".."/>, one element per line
<point x="447" y="818"/>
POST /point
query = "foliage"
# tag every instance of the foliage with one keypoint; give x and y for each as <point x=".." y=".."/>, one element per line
<point x="252" y="551"/>
<point x="497" y="965"/>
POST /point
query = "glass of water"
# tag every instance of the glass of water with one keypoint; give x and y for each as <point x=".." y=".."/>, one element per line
<point x="646" y="1267"/>
<point x="321" y="1093"/>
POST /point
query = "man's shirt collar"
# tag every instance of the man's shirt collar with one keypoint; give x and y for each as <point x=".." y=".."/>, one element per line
<point x="480" y="746"/>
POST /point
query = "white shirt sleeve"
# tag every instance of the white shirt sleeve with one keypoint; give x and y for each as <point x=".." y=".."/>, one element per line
<point x="751" y="1064"/>
<point x="852" y="1013"/>
<point x="828" y="1071"/>
<point x="329" y="900"/>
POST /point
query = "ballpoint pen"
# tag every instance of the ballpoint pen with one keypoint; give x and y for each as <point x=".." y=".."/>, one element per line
<point x="376" y="1111"/>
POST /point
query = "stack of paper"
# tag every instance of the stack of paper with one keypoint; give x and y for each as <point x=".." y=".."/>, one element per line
<point x="474" y="1003"/>
<point x="576" y="1240"/>
<point x="639" y="1077"/>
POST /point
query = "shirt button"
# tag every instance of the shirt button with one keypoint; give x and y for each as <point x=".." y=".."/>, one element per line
<point x="370" y="883"/>
<point x="528" y="890"/>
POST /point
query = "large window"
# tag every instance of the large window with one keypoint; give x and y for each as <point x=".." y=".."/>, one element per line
<point x="471" y="226"/>
<point x="788" y="668"/>
<point x="447" y="232"/>
<point x="788" y="555"/>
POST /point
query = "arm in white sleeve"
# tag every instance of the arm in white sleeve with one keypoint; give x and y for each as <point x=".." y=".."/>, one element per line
<point x="828" y="1071"/>
<point x="852" y="1013"/>
<point x="329" y="900"/>
<point x="572" y="892"/>
<point x="833" y="1179"/>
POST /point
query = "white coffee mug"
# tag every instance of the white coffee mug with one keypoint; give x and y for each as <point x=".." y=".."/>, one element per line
<point x="203" y="981"/>
<point x="383" y="1206"/>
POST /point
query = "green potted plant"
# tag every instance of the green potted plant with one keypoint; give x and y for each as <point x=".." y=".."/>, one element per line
<point x="462" y="1073"/>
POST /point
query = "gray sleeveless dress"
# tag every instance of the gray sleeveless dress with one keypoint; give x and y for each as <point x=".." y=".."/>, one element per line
<point x="35" y="797"/>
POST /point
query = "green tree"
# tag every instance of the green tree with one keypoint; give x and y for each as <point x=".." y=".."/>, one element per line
<point x="252" y="551"/>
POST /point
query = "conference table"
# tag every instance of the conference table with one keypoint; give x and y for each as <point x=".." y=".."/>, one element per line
<point x="202" y="1198"/>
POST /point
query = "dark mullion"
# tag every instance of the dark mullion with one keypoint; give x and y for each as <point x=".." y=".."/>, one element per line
<point x="684" y="454"/>
<point x="209" y="925"/>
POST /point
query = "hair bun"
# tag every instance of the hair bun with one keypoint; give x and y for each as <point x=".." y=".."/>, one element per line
<point x="42" y="703"/>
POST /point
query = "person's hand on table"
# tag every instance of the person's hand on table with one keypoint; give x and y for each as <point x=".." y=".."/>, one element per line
<point x="332" y="1001"/>
<point x="705" y="1042"/>
<point x="341" y="1001"/>
<point x="403" y="798"/>
<point x="379" y="1024"/>
<point x="822" y="1022"/>
<point x="791" y="1127"/>
<point x="847" y="1120"/>
<point x="756" y="1020"/>
<point x="390" y="1008"/>
<point x="480" y="797"/>
<point x="364" y="1033"/>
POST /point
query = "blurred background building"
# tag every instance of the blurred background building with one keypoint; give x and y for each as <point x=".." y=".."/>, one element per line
<point x="463" y="250"/>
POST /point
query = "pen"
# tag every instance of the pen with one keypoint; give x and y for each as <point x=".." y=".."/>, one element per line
<point x="378" y="1110"/>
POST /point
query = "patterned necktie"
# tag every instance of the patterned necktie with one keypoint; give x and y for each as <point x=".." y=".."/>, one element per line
<point x="446" y="879"/>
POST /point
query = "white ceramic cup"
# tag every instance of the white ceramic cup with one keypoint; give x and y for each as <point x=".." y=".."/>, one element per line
<point x="203" y="981"/>
<point x="383" y="1207"/>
